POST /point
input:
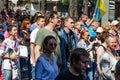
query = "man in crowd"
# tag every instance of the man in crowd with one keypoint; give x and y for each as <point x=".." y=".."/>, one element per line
<point x="45" y="31"/>
<point x="78" y="63"/>
<point x="40" y="22"/>
<point x="68" y="41"/>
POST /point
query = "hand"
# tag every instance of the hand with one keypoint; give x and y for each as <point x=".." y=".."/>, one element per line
<point x="99" y="71"/>
<point x="14" y="57"/>
<point x="34" y="63"/>
<point x="94" y="15"/>
<point x="118" y="58"/>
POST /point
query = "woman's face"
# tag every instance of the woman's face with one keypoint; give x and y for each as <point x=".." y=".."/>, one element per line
<point x="51" y="46"/>
<point x="28" y="25"/>
<point x="86" y="36"/>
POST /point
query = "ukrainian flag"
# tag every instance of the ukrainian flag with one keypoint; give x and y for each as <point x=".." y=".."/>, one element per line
<point x="100" y="10"/>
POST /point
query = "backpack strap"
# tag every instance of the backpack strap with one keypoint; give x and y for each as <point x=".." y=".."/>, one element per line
<point x="103" y="47"/>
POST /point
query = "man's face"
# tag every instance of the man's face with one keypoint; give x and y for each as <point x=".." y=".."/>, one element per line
<point x="82" y="64"/>
<point x="99" y="35"/>
<point x="13" y="32"/>
<point x="84" y="18"/>
<point x="78" y="25"/>
<point x="115" y="28"/>
<point x="41" y="22"/>
<point x="55" y="19"/>
<point x="95" y="26"/>
<point x="69" y="24"/>
<point x="112" y="43"/>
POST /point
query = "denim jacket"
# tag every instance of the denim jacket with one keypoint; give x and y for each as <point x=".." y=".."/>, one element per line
<point x="63" y="43"/>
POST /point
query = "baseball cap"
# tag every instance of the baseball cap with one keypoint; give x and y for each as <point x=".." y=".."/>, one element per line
<point x="114" y="23"/>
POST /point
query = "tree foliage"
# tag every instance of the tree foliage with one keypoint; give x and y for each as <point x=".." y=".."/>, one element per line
<point x="64" y="2"/>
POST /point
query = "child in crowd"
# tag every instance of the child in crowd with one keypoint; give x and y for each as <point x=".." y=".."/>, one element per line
<point x="10" y="53"/>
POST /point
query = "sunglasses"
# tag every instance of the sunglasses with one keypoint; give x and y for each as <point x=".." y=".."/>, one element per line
<point x="52" y="44"/>
<point x="99" y="33"/>
<point x="81" y="25"/>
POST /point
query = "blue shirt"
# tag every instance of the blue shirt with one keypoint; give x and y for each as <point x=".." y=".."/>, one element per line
<point x="32" y="27"/>
<point x="45" y="70"/>
<point x="92" y="34"/>
<point x="84" y="27"/>
<point x="4" y="26"/>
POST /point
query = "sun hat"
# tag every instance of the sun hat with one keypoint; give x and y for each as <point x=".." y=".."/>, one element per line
<point x="114" y="23"/>
<point x="99" y="30"/>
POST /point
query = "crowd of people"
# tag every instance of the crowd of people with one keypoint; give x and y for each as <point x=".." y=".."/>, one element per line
<point x="50" y="47"/>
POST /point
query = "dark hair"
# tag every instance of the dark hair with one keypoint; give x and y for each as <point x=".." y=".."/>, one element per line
<point x="9" y="28"/>
<point x="51" y="16"/>
<point x="39" y="17"/>
<point x="104" y="35"/>
<point x="82" y="15"/>
<point x="117" y="67"/>
<point x="45" y="42"/>
<point x="77" y="55"/>
<point x="9" y="21"/>
<point x="34" y="18"/>
<point x="1" y="26"/>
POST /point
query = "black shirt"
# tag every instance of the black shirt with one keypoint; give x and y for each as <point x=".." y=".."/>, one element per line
<point x="67" y="75"/>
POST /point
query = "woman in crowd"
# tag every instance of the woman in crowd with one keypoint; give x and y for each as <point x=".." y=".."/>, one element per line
<point x="98" y="49"/>
<point x="84" y="41"/>
<point x="24" y="32"/>
<point x="10" y="21"/>
<point x="87" y="45"/>
<point x="46" y="66"/>
<point x="102" y="48"/>
<point x="25" y="35"/>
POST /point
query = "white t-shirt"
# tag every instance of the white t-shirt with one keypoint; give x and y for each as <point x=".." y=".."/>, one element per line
<point x="10" y="47"/>
<point x="33" y="37"/>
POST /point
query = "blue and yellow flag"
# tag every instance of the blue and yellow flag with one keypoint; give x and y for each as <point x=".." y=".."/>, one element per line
<point x="100" y="10"/>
